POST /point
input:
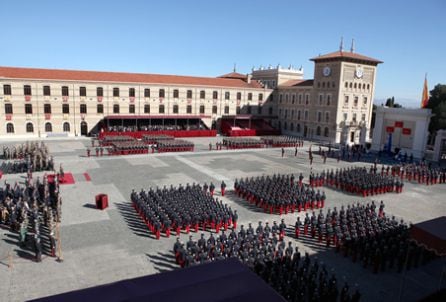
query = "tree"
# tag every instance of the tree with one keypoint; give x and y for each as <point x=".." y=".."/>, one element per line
<point x="437" y="103"/>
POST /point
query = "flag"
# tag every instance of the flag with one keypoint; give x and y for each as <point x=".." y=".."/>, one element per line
<point x="425" y="96"/>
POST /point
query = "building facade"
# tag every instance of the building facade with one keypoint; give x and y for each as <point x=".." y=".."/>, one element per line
<point x="335" y="106"/>
<point x="43" y="102"/>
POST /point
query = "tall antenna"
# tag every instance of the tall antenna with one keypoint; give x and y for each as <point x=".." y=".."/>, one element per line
<point x="352" y="48"/>
<point x="341" y="46"/>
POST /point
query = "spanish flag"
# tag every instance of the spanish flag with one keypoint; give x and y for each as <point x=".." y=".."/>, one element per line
<point x="425" y="96"/>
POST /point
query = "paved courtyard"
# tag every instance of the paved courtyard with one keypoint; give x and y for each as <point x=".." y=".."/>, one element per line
<point x="105" y="246"/>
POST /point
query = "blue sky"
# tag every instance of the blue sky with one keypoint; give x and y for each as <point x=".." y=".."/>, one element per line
<point x="207" y="37"/>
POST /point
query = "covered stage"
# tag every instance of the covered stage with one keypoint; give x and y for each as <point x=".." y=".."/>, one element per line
<point x="139" y="125"/>
<point x="227" y="280"/>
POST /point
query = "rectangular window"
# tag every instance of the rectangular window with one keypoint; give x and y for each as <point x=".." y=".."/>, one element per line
<point x="176" y="94"/>
<point x="202" y="109"/>
<point x="307" y="99"/>
<point x="319" y="116"/>
<point x="346" y="100"/>
<point x="227" y="95"/>
<point x="147" y="93"/>
<point x="214" y="109"/>
<point x="363" y="117"/>
<point x="146" y="108"/>
<point x="239" y="96"/>
<point x="131" y="108"/>
<point x="46" y="90"/>
<point x="354" y="117"/>
<point x="175" y="109"/>
<point x="7" y="89"/>
<point x="161" y="109"/>
<point x="28" y="109"/>
<point x="189" y="109"/>
<point x="27" y="89"/>
<point x="261" y="97"/>
<point x="132" y="92"/>
<point x="237" y="110"/>
<point x="345" y="116"/>
<point x="82" y="91"/>
<point x="116" y="108"/>
<point x="99" y="91"/>
<point x="161" y="93"/>
<point x="226" y="109"/>
<point x="100" y="108"/>
<point x="83" y="108"/>
<point x="65" y="108"/>
<point x="8" y="108"/>
<point x="189" y="94"/>
<point x="202" y="94"/>
<point x="250" y="96"/>
<point x="293" y="99"/>
<point x="327" y="117"/>
<point x="356" y="99"/>
<point x="116" y="92"/>
<point x="65" y="91"/>
<point x="215" y="95"/>
<point x="364" y="101"/>
<point x="47" y="108"/>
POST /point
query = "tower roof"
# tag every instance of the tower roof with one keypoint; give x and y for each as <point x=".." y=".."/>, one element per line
<point x="234" y="75"/>
<point x="345" y="55"/>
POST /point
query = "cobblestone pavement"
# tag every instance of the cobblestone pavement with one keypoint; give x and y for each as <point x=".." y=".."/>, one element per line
<point x="105" y="246"/>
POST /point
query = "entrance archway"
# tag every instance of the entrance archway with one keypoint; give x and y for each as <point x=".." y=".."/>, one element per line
<point x="84" y="128"/>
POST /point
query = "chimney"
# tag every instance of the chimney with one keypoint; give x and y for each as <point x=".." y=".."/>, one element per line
<point x="249" y="78"/>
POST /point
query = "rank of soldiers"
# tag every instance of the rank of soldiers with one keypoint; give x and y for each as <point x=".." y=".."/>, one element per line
<point x="357" y="180"/>
<point x="27" y="157"/>
<point x="418" y="173"/>
<point x="155" y="138"/>
<point x="129" y="147"/>
<point x="190" y="207"/>
<point x="365" y="234"/>
<point x="108" y="140"/>
<point x="177" y="145"/>
<point x="282" y="141"/>
<point x="32" y="212"/>
<point x="279" y="193"/>
<point x="296" y="278"/>
<point x="242" y="143"/>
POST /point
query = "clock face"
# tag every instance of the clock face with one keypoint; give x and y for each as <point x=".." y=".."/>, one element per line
<point x="358" y="72"/>
<point x="326" y="71"/>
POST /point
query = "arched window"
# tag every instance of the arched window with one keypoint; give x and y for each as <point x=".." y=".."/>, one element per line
<point x="298" y="115"/>
<point x="292" y="127"/>
<point x="355" y="86"/>
<point x="346" y="84"/>
<point x="298" y="128"/>
<point x="9" y="128"/>
<point x="29" y="128"/>
<point x="66" y="127"/>
<point x="48" y="127"/>
<point x="326" y="131"/>
<point x="351" y="85"/>
<point x="318" y="131"/>
<point x="327" y="117"/>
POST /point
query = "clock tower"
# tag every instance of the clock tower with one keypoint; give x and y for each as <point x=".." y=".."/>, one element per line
<point x="343" y="92"/>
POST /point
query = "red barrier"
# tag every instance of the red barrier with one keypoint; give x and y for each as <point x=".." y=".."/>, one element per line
<point x="174" y="133"/>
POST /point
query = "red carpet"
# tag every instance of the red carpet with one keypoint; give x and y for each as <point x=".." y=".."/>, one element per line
<point x="67" y="180"/>
<point x="87" y="177"/>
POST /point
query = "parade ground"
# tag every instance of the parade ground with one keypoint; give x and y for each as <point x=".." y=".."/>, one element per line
<point x="104" y="246"/>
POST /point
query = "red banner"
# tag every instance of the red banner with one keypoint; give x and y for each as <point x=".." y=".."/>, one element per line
<point x="132" y="99"/>
<point x="65" y="98"/>
<point x="399" y="124"/>
<point x="47" y="116"/>
<point x="9" y="117"/>
<point x="99" y="98"/>
<point x="27" y="98"/>
<point x="407" y="131"/>
<point x="390" y="129"/>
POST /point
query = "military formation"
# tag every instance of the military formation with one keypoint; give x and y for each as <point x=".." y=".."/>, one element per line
<point x="281" y="265"/>
<point x="418" y="173"/>
<point x="282" y="141"/>
<point x="26" y="158"/>
<point x="358" y="180"/>
<point x="279" y="193"/>
<point x="155" y="138"/>
<point x="242" y="143"/>
<point x="183" y="208"/>
<point x="174" y="145"/>
<point x="366" y="235"/>
<point x="33" y="211"/>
